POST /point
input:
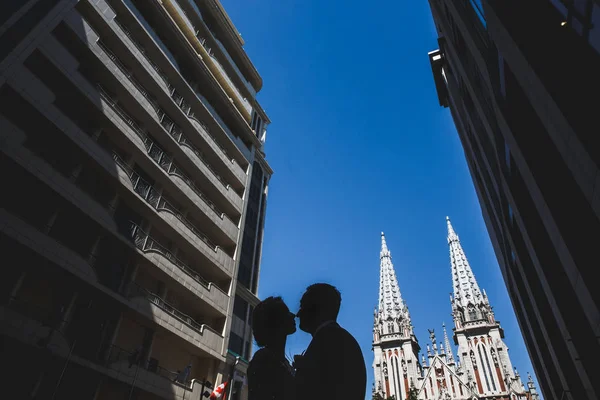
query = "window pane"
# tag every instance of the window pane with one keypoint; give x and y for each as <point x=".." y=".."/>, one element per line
<point x="595" y="31"/>
<point x="239" y="308"/>
<point x="581" y="5"/>
<point x="478" y="10"/>
<point x="560" y="6"/>
<point x="236" y="344"/>
<point x="576" y="24"/>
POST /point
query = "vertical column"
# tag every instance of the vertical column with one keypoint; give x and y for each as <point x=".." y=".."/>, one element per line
<point x="17" y="286"/>
<point x="147" y="343"/>
<point x="113" y="337"/>
<point x="68" y="312"/>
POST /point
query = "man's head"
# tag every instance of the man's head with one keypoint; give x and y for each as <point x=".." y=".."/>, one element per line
<point x="320" y="303"/>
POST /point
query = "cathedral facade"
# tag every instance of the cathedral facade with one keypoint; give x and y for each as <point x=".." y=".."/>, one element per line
<point x="481" y="368"/>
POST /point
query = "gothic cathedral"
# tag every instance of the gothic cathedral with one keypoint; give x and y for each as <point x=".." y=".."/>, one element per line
<point x="482" y="367"/>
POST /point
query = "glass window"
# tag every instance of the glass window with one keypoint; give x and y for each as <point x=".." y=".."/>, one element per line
<point x="560" y="7"/>
<point x="507" y="156"/>
<point x="236" y="344"/>
<point x="595" y="30"/>
<point x="250" y="316"/>
<point x="576" y="24"/>
<point x="478" y="10"/>
<point x="239" y="307"/>
<point x="581" y="6"/>
<point x="501" y="73"/>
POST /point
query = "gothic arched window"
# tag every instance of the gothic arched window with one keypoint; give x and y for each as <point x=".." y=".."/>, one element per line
<point x="472" y="312"/>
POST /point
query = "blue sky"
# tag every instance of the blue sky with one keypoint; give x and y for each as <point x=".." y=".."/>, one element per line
<point x="360" y="145"/>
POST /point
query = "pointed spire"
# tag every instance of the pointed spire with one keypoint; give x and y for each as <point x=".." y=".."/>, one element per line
<point x="449" y="353"/>
<point x="466" y="289"/>
<point x="390" y="300"/>
<point x="531" y="387"/>
<point x="452" y="236"/>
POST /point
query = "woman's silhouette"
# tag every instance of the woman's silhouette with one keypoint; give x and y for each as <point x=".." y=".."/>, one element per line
<point x="270" y="375"/>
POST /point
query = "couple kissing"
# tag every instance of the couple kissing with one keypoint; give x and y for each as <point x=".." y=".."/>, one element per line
<point x="332" y="367"/>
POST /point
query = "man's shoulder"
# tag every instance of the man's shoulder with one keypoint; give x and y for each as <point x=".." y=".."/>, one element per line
<point x="337" y="332"/>
<point x="259" y="358"/>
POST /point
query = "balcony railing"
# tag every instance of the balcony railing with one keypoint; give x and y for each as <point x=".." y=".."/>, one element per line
<point x="187" y="109"/>
<point x="131" y="360"/>
<point x="129" y="75"/>
<point x="156" y="153"/>
<point x="147" y="244"/>
<point x="175" y="131"/>
<point x="143" y="51"/>
<point x="165" y="121"/>
<point x="157" y="201"/>
<point x="136" y="290"/>
<point x="189" y="113"/>
<point x="52" y="318"/>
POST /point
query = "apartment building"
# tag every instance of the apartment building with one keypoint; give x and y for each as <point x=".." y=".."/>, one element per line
<point x="133" y="203"/>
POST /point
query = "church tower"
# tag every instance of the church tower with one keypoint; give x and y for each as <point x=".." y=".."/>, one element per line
<point x="483" y="353"/>
<point x="481" y="368"/>
<point x="396" y="365"/>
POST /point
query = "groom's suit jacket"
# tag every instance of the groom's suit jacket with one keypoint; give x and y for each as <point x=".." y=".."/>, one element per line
<point x="332" y="368"/>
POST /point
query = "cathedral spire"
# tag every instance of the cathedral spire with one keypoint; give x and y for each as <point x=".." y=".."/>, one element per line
<point x="449" y="353"/>
<point x="466" y="289"/>
<point x="390" y="300"/>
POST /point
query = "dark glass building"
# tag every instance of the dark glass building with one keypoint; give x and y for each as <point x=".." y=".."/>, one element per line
<point x="521" y="79"/>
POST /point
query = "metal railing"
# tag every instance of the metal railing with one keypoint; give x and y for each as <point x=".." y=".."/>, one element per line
<point x="146" y="243"/>
<point x="177" y="133"/>
<point x="47" y="317"/>
<point x="117" y="355"/>
<point x="166" y="81"/>
<point x="124" y="115"/>
<point x="162" y="116"/>
<point x="136" y="290"/>
<point x="143" y="51"/>
<point x="156" y="153"/>
<point x="157" y="201"/>
<point x="129" y="75"/>
<point x="187" y="110"/>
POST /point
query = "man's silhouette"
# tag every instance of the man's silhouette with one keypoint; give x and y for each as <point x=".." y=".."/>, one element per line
<point x="333" y="366"/>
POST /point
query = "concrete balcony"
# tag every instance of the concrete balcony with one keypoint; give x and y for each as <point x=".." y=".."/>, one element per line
<point x="193" y="13"/>
<point x="143" y="302"/>
<point x="150" y="377"/>
<point x="26" y="323"/>
<point x="47" y="247"/>
<point x="175" y="13"/>
<point x="157" y="154"/>
<point x="175" y="131"/>
<point x="185" y="229"/>
<point x="193" y="156"/>
<point x="161" y="78"/>
<point x="169" y="317"/>
<point x="175" y="217"/>
<point x="162" y="257"/>
<point x="148" y="248"/>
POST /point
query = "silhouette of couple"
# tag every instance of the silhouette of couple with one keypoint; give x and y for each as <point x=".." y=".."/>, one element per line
<point x="332" y="367"/>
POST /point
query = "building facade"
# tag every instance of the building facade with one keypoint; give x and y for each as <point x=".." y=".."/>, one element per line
<point x="135" y="189"/>
<point x="481" y="369"/>
<point x="520" y="79"/>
